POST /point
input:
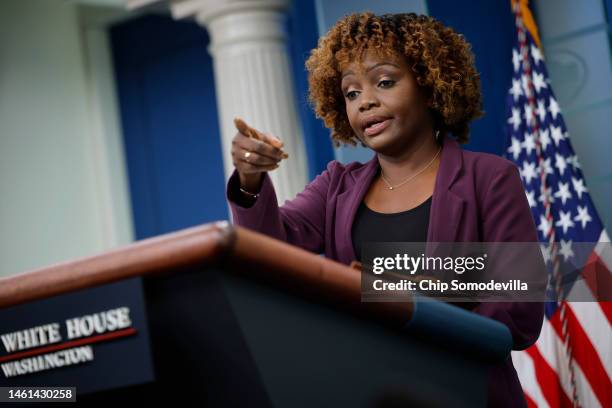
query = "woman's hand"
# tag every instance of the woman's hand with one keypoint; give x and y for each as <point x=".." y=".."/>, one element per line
<point x="254" y="153"/>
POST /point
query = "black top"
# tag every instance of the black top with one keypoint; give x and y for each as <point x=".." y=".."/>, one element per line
<point x="405" y="226"/>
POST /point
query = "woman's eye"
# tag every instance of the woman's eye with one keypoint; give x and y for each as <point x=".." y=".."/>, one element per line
<point x="351" y="95"/>
<point x="386" y="83"/>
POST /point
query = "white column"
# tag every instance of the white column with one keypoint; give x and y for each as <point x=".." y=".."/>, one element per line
<point x="253" y="78"/>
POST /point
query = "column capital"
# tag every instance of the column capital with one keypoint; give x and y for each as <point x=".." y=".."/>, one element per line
<point x="206" y="10"/>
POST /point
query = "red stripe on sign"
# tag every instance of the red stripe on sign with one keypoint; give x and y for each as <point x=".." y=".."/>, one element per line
<point x="586" y="356"/>
<point x="548" y="380"/>
<point x="75" y="343"/>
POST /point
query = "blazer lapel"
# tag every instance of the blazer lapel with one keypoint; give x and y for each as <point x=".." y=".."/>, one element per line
<point x="347" y="204"/>
<point x="447" y="207"/>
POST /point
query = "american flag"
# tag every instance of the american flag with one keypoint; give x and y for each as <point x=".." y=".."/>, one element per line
<point x="571" y="363"/>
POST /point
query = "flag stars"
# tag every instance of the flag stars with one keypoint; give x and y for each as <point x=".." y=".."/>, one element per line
<point x="560" y="163"/>
<point x="544" y="226"/>
<point x="553" y="107"/>
<point x="536" y="54"/>
<point x="579" y="186"/>
<point x="565" y="221"/>
<point x="538" y="81"/>
<point x="563" y="192"/>
<point x="516" y="89"/>
<point x="547" y="166"/>
<point x="557" y="134"/>
<point x="546" y="196"/>
<point x="515" y="119"/>
<point x="529" y="117"/>
<point x="541" y="110"/>
<point x="515" y="148"/>
<point x="544" y="138"/>
<point x="529" y="143"/>
<point x="528" y="171"/>
<point x="524" y="83"/>
<point x="573" y="160"/>
<point x="566" y="249"/>
<point x="516" y="59"/>
<point x="583" y="216"/>
<point x="539" y="145"/>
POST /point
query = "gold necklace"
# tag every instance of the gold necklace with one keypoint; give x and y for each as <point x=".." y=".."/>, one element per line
<point x="412" y="176"/>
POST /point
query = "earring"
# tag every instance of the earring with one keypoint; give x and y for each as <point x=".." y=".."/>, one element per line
<point x="436" y="137"/>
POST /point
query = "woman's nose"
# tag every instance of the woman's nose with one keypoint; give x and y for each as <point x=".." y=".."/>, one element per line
<point x="367" y="102"/>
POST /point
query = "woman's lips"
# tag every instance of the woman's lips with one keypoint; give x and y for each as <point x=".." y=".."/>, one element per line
<point x="377" y="128"/>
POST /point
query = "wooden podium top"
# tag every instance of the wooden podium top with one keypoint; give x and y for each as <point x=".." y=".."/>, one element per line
<point x="218" y="244"/>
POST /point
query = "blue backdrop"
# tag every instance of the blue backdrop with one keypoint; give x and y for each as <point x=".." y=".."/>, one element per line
<point x="170" y="126"/>
<point x="489" y="27"/>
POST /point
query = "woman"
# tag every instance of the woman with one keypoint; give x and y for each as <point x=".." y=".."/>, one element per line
<point x="400" y="85"/>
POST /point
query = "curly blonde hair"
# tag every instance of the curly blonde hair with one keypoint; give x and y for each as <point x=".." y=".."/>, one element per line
<point x="440" y="58"/>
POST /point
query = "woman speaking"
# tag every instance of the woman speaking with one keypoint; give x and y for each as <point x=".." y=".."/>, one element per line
<point x="404" y="86"/>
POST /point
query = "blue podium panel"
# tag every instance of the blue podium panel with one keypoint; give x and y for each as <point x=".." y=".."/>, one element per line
<point x="95" y="339"/>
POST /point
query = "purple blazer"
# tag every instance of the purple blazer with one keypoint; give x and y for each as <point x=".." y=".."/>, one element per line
<point x="478" y="197"/>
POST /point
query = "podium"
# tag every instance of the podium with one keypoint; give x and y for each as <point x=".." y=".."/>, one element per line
<point x="224" y="316"/>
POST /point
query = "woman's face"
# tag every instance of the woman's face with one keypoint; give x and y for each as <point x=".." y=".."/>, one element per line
<point x="384" y="104"/>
